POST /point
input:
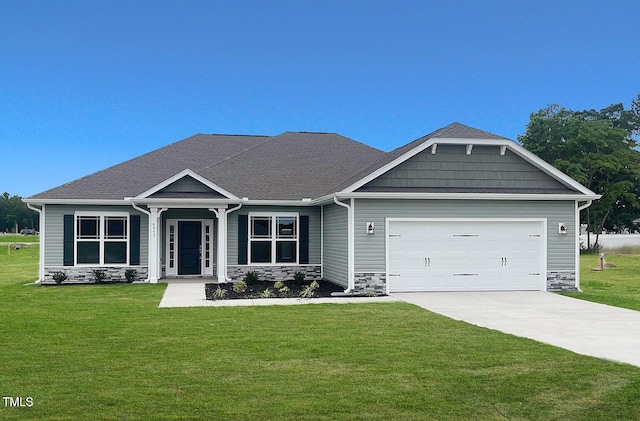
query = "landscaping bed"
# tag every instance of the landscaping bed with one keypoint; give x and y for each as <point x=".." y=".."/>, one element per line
<point x="269" y="289"/>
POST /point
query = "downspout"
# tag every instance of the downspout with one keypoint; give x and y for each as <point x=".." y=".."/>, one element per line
<point x="42" y="239"/>
<point x="227" y="212"/>
<point x="350" y="246"/>
<point x="577" y="240"/>
<point x="138" y="208"/>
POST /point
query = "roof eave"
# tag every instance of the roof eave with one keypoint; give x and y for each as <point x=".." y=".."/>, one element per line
<point x="465" y="196"/>
<point x="36" y="201"/>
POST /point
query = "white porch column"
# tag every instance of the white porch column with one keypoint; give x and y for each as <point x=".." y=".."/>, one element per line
<point x="154" y="257"/>
<point x="221" y="246"/>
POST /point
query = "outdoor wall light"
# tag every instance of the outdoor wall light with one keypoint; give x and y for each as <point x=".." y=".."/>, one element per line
<point x="562" y="228"/>
<point x="370" y="228"/>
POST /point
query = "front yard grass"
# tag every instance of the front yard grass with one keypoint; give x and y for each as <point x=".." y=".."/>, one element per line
<point x="617" y="286"/>
<point x="108" y="352"/>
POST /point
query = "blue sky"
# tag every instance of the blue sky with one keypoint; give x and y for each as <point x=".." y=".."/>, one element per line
<point x="88" y="84"/>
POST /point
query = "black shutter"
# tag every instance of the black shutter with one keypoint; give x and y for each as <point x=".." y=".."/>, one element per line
<point x="134" y="241"/>
<point x="243" y="238"/>
<point x="67" y="241"/>
<point x="304" y="239"/>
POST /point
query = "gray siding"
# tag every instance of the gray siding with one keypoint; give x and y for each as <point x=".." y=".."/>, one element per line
<point x="54" y="217"/>
<point x="336" y="247"/>
<point x="314" y="229"/>
<point x="370" y="249"/>
<point x="451" y="168"/>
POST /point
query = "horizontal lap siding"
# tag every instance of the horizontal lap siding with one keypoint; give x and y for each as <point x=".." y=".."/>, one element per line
<point x="314" y="229"/>
<point x="335" y="261"/>
<point x="54" y="216"/>
<point x="370" y="249"/>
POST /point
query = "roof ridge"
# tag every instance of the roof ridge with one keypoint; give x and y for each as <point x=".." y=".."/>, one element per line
<point x="208" y="167"/>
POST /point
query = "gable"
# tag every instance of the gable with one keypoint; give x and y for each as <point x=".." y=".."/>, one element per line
<point x="486" y="169"/>
<point x="187" y="187"/>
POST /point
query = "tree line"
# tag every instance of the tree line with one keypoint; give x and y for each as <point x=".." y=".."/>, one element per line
<point x="15" y="215"/>
<point x="599" y="149"/>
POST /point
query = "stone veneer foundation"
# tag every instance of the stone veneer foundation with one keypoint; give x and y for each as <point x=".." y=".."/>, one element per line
<point x="370" y="281"/>
<point x="275" y="273"/>
<point x="84" y="275"/>
<point x="561" y="281"/>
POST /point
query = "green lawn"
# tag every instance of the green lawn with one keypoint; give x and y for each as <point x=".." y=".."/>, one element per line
<point x="17" y="238"/>
<point x="108" y="352"/>
<point x="617" y="286"/>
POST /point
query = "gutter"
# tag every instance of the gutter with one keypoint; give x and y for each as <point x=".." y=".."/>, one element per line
<point x="586" y="205"/>
<point x="350" y="241"/>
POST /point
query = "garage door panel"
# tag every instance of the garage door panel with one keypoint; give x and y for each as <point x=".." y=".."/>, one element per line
<point x="467" y="255"/>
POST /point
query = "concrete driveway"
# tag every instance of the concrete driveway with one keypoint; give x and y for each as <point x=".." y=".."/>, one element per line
<point x="580" y="326"/>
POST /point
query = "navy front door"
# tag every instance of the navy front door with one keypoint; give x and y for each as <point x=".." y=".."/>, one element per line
<point x="189" y="247"/>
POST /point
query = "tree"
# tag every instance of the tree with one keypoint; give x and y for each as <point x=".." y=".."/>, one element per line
<point x="598" y="149"/>
<point x="14" y="213"/>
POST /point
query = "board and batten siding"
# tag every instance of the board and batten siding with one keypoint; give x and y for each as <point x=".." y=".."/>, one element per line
<point x="336" y="245"/>
<point x="450" y="167"/>
<point x="370" y="249"/>
<point x="314" y="229"/>
<point x="54" y="235"/>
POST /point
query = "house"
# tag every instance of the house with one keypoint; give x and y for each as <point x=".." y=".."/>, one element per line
<point x="458" y="209"/>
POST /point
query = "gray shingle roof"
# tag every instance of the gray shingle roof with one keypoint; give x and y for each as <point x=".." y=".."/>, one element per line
<point x="290" y="166"/>
<point x="137" y="175"/>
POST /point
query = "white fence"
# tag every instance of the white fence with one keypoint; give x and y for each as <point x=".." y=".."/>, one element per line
<point x="611" y="241"/>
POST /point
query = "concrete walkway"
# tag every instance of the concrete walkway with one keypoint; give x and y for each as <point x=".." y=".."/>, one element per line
<point x="580" y="326"/>
<point x="190" y="293"/>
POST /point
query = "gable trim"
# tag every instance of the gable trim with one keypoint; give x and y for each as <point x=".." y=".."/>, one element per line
<point x="186" y="173"/>
<point x="503" y="144"/>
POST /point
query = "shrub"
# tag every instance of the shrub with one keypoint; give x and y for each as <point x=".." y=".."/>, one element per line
<point x="310" y="290"/>
<point x="130" y="275"/>
<point x="371" y="293"/>
<point x="299" y="276"/>
<point x="99" y="275"/>
<point x="284" y="291"/>
<point x="278" y="285"/>
<point x="267" y="293"/>
<point x="240" y="287"/>
<point x="59" y="277"/>
<point x="220" y="293"/>
<point x="251" y="277"/>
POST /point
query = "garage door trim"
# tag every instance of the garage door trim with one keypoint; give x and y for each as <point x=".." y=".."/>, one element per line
<point x="543" y="251"/>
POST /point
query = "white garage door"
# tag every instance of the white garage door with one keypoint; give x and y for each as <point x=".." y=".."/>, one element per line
<point x="449" y="255"/>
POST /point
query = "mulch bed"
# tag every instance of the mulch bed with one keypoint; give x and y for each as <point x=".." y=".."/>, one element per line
<point x="256" y="290"/>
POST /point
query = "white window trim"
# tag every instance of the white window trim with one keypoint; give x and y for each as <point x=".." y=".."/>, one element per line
<point x="101" y="240"/>
<point x="273" y="239"/>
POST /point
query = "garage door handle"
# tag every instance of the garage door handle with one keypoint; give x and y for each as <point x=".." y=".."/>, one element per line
<point x="465" y="274"/>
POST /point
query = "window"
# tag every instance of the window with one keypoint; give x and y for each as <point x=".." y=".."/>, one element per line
<point x="102" y="239"/>
<point x="273" y="239"/>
